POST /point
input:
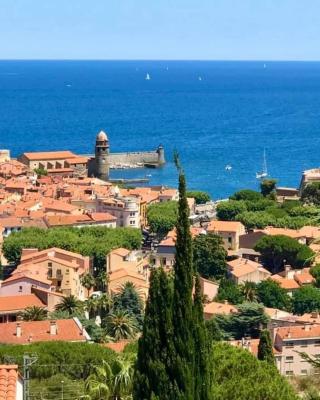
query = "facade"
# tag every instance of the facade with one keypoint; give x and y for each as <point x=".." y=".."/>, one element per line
<point x="242" y="270"/>
<point x="230" y="232"/>
<point x="289" y="341"/>
<point x="125" y="209"/>
<point x="12" y="306"/>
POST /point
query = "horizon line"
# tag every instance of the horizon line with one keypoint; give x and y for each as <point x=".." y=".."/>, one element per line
<point x="161" y="59"/>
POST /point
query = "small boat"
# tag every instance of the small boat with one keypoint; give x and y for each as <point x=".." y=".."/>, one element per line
<point x="264" y="172"/>
<point x="199" y="78"/>
<point x="228" y="167"/>
<point x="148" y="77"/>
<point x="148" y="175"/>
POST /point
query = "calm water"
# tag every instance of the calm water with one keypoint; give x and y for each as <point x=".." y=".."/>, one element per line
<point x="228" y="117"/>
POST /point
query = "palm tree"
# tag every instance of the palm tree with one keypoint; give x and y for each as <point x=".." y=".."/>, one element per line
<point x="104" y="304"/>
<point x="69" y="304"/>
<point x="34" y="313"/>
<point x="121" y="325"/>
<point x="112" y="380"/>
<point x="249" y="291"/>
<point x="88" y="282"/>
<point x="91" y="305"/>
<point x="102" y="280"/>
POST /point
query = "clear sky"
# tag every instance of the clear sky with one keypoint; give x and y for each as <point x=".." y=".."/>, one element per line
<point x="160" y="29"/>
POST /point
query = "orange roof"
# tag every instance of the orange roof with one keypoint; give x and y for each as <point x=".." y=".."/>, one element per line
<point x="298" y="332"/>
<point x="121" y="251"/>
<point x="214" y="308"/>
<point x="8" y="382"/>
<point x="39" y="331"/>
<point x="242" y="266"/>
<point x="77" y="160"/>
<point x="225" y="226"/>
<point x="285" y="283"/>
<point x="303" y="277"/>
<point x="19" y="303"/>
<point x="310" y="231"/>
<point x="295" y="234"/>
<point x="49" y="155"/>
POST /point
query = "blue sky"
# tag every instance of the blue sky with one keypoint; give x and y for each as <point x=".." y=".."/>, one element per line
<point x="160" y="29"/>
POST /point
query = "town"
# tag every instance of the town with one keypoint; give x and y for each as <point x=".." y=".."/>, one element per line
<point x="78" y="251"/>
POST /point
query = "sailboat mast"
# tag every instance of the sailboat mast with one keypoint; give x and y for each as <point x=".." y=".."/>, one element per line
<point x="265" y="170"/>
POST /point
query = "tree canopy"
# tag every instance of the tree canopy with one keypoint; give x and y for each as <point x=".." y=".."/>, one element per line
<point x="238" y="375"/>
<point x="311" y="193"/>
<point x="162" y="217"/>
<point x="89" y="241"/>
<point x="305" y="300"/>
<point x="272" y="295"/>
<point x="228" y="210"/>
<point x="200" y="197"/>
<point x="278" y="250"/>
<point x="209" y="256"/>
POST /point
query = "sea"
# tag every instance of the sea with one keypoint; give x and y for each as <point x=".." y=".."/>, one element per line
<point x="214" y="113"/>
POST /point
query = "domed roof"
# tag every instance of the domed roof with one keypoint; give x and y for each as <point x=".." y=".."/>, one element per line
<point x="102" y="136"/>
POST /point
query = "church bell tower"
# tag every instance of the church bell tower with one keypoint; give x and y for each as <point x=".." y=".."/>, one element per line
<point x="101" y="156"/>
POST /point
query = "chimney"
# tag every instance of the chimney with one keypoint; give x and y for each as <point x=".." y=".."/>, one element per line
<point x="18" y="329"/>
<point x="226" y="302"/>
<point x="53" y="327"/>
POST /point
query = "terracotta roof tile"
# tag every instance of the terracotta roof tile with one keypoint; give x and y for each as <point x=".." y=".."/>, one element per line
<point x="49" y="155"/>
<point x="39" y="331"/>
<point x="19" y="303"/>
<point x="8" y="382"/>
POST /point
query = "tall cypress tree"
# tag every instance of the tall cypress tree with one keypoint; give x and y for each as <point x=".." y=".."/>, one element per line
<point x="152" y="374"/>
<point x="183" y="358"/>
<point x="265" y="351"/>
<point x="202" y="348"/>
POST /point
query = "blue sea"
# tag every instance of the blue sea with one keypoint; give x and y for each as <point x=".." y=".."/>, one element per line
<point x="213" y="113"/>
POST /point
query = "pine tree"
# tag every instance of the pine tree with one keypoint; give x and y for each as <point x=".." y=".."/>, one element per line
<point x="183" y="359"/>
<point x="152" y="375"/>
<point x="202" y="348"/>
<point x="265" y="347"/>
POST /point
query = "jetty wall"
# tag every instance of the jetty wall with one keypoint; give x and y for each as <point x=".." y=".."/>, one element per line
<point x="133" y="157"/>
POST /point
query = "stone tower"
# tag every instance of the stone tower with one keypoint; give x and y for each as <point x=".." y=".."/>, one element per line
<point x="161" y="158"/>
<point x="101" y="156"/>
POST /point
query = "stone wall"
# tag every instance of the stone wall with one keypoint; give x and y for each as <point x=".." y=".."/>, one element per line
<point x="133" y="158"/>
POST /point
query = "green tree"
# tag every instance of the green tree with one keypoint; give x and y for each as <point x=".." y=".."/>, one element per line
<point x="305" y="300"/>
<point x="238" y="375"/>
<point x="265" y="349"/>
<point x="213" y="329"/>
<point x="268" y="187"/>
<point x="249" y="291"/>
<point x="121" y="325"/>
<point x="202" y="375"/>
<point x="229" y="291"/>
<point x="315" y="272"/>
<point x="272" y="295"/>
<point x="311" y="193"/>
<point x="88" y="282"/>
<point x="41" y="171"/>
<point x="129" y="300"/>
<point x="89" y="241"/>
<point x="280" y="249"/>
<point x="200" y="197"/>
<point x="162" y="217"/>
<point x="111" y="380"/>
<point x="153" y="372"/>
<point x="228" y="210"/>
<point x="183" y="320"/>
<point x="247" y="195"/>
<point x="69" y="304"/>
<point x="248" y="321"/>
<point x="209" y="256"/>
<point x="34" y="313"/>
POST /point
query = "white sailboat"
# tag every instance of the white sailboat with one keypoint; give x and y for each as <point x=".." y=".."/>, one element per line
<point x="148" y="77"/>
<point x="264" y="172"/>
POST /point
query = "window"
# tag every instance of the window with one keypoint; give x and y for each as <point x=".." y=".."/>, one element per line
<point x="289" y="344"/>
<point x="304" y="343"/>
<point x="67" y="282"/>
<point x="230" y="239"/>
<point x="304" y="372"/>
<point x="59" y="284"/>
<point x="59" y="272"/>
<point x="289" y="358"/>
<point x="289" y="372"/>
<point x="132" y="222"/>
<point x="20" y="288"/>
<point x="132" y="214"/>
<point x="50" y="264"/>
<point x="317" y="342"/>
<point x="67" y="271"/>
